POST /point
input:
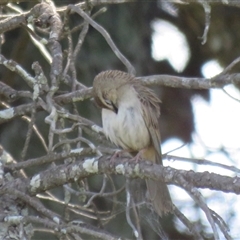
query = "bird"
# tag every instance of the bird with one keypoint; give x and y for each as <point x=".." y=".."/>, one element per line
<point x="130" y="119"/>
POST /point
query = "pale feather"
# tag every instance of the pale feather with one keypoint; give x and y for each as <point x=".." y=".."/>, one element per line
<point x="126" y="128"/>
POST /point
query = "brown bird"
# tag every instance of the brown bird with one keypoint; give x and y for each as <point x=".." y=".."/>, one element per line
<point x="130" y="114"/>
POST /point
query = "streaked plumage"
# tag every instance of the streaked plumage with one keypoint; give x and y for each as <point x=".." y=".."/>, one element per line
<point x="130" y="114"/>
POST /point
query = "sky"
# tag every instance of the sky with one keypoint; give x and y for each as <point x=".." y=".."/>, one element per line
<point x="216" y="123"/>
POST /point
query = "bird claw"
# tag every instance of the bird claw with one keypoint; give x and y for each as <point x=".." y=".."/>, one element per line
<point x="121" y="153"/>
<point x="137" y="158"/>
<point x="116" y="154"/>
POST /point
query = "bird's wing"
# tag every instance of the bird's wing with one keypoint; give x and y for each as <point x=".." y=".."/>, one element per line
<point x="151" y="113"/>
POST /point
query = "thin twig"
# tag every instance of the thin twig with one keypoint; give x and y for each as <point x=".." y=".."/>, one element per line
<point x="29" y="132"/>
<point x="128" y="207"/>
<point x="207" y="10"/>
<point x="41" y="138"/>
<point x="201" y="162"/>
<point x="191" y="226"/>
<point x="107" y="37"/>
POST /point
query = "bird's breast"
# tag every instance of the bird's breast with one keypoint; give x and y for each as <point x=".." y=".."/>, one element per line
<point x="127" y="128"/>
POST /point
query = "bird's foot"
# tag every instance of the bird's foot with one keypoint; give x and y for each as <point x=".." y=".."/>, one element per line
<point x="116" y="154"/>
<point x="120" y="154"/>
<point x="137" y="158"/>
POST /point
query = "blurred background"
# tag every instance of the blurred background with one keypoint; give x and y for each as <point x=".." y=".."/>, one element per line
<point x="158" y="38"/>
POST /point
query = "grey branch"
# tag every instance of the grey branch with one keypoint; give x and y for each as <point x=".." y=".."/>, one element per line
<point x="63" y="174"/>
<point x="161" y="80"/>
<point x="107" y="37"/>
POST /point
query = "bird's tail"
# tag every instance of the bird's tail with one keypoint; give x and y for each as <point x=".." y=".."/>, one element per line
<point x="160" y="196"/>
<point x="158" y="190"/>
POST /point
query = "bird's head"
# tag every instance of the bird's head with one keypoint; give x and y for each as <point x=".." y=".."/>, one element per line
<point x="105" y="86"/>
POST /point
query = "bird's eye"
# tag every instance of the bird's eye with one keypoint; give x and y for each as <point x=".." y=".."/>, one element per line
<point x="108" y="102"/>
<point x="111" y="105"/>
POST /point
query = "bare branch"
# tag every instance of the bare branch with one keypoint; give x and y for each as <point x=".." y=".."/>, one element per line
<point x="107" y="37"/>
<point x="83" y="169"/>
<point x="72" y="152"/>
